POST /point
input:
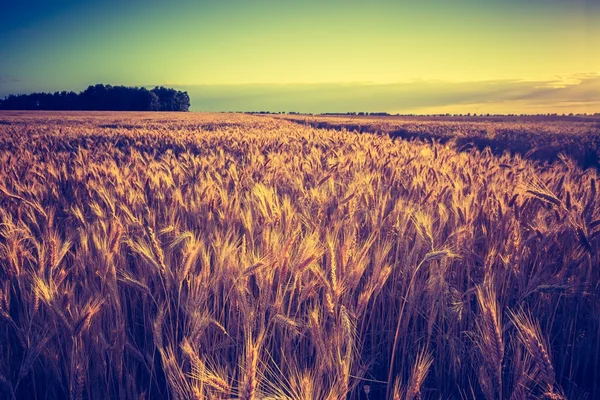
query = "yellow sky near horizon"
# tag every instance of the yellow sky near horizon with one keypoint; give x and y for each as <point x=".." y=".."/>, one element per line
<point x="70" y="44"/>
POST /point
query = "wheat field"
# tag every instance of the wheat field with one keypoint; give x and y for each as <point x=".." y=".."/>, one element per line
<point x="220" y="256"/>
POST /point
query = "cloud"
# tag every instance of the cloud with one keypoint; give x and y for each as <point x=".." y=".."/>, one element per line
<point x="9" y="79"/>
<point x="587" y="89"/>
<point x="581" y="92"/>
<point x="8" y="84"/>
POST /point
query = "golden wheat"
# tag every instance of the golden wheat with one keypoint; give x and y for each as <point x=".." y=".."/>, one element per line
<point x="212" y="256"/>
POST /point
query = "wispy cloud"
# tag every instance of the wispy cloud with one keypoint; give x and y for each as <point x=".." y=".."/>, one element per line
<point x="579" y="92"/>
<point x="9" y="84"/>
<point x="8" y="79"/>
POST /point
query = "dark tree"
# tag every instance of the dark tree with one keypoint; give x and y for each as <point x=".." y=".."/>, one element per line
<point x="102" y="98"/>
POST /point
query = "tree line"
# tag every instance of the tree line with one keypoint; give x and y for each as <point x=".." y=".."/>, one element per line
<point x="102" y="98"/>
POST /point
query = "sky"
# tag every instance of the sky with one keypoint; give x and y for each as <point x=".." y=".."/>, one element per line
<point x="314" y="55"/>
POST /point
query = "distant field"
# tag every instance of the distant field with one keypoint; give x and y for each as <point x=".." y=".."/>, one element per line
<point x="538" y="137"/>
<point x="218" y="256"/>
